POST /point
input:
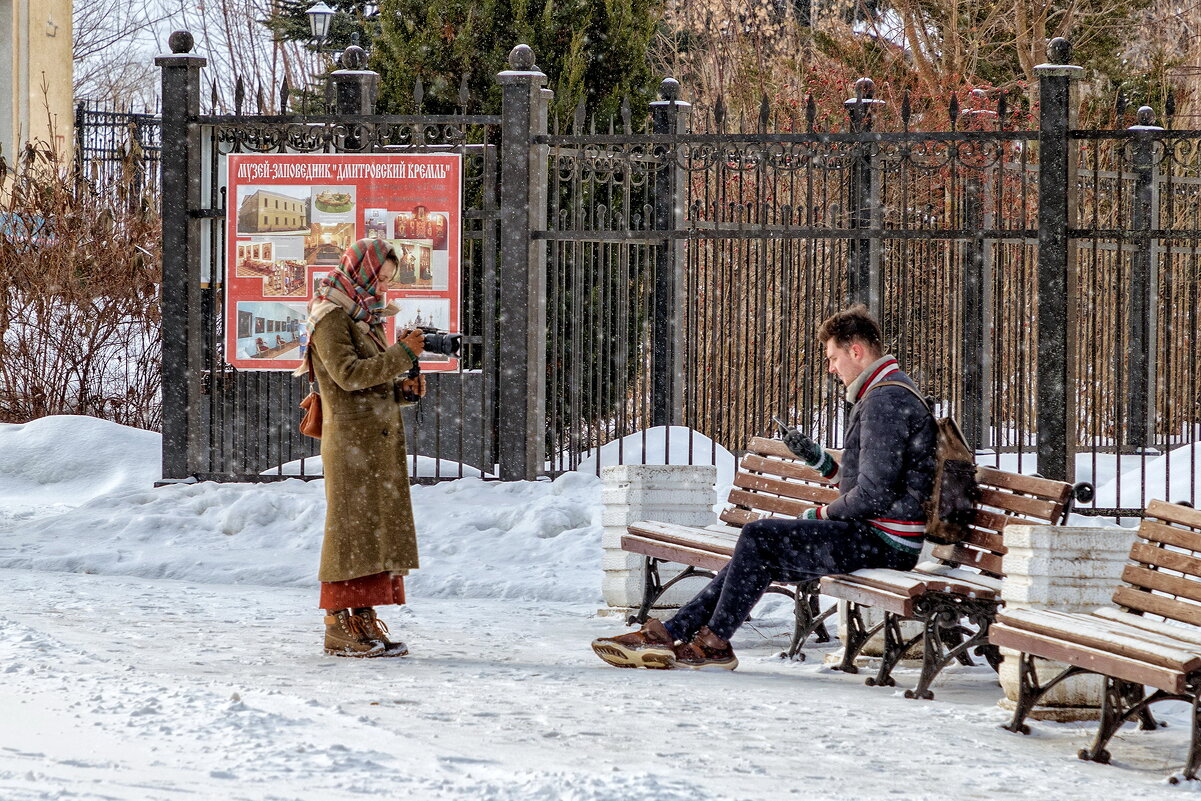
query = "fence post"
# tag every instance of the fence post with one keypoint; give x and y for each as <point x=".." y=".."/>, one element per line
<point x="1144" y="290"/>
<point x="669" y="117"/>
<point x="864" y="281"/>
<point x="521" y="305"/>
<point x="355" y="90"/>
<point x="182" y="336"/>
<point x="81" y="121"/>
<point x="1057" y="288"/>
<point x="977" y="304"/>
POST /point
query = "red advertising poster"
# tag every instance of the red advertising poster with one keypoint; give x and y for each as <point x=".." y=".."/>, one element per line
<point x="292" y="216"/>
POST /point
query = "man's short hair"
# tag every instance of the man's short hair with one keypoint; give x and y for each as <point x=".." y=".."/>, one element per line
<point x="855" y="324"/>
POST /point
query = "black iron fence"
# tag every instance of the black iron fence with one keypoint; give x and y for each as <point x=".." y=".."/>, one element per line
<point x="117" y="148"/>
<point x="664" y="271"/>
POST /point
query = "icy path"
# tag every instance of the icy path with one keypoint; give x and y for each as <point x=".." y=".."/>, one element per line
<point x="143" y="689"/>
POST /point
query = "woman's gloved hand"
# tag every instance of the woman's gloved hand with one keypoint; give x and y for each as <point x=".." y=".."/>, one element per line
<point x="413" y="386"/>
<point x="414" y="340"/>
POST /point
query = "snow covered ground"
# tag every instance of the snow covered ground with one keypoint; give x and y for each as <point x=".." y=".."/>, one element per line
<point x="163" y="644"/>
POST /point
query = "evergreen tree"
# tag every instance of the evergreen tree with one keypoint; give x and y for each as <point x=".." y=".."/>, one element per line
<point x="590" y="49"/>
<point x="289" y="22"/>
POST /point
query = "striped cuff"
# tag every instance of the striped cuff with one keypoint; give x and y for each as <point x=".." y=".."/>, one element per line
<point x="413" y="356"/>
<point x="815" y="513"/>
<point x="827" y="466"/>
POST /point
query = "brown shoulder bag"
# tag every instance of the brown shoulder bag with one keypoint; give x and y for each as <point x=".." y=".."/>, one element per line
<point x="310" y="423"/>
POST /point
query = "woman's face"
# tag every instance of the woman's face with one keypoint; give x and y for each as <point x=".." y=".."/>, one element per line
<point x="387" y="273"/>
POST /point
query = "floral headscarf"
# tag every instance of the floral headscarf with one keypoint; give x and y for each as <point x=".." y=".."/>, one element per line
<point x="354" y="287"/>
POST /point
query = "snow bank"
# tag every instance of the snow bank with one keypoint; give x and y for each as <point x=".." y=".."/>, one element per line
<point x="1173" y="476"/>
<point x="101" y="514"/>
<point x="657" y="446"/>
<point x="66" y="460"/>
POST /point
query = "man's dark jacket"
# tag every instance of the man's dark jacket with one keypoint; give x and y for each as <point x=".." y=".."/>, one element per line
<point x="887" y="468"/>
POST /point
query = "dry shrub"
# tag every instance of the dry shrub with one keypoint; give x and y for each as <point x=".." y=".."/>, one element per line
<point x="79" y="295"/>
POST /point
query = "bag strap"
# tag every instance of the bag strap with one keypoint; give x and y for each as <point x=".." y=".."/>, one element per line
<point x="954" y="423"/>
<point x="909" y="387"/>
<point x="308" y="358"/>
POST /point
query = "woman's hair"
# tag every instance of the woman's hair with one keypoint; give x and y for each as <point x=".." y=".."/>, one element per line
<point x="855" y="324"/>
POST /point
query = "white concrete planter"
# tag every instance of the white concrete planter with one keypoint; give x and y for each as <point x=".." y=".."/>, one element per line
<point x="1068" y="569"/>
<point x="681" y="494"/>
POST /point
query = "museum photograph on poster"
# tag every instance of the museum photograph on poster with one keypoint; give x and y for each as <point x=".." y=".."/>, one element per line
<point x="294" y="216"/>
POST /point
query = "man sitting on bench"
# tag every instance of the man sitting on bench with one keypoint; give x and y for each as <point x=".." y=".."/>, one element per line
<point x="878" y="520"/>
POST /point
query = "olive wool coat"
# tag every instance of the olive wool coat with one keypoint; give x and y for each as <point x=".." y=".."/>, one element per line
<point x="369" y="517"/>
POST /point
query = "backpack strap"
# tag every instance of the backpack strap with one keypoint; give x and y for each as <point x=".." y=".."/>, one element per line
<point x="909" y="387"/>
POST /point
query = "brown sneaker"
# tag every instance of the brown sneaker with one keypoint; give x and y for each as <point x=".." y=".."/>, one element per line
<point x="348" y="634"/>
<point x="700" y="653"/>
<point x="649" y="647"/>
<point x="379" y="630"/>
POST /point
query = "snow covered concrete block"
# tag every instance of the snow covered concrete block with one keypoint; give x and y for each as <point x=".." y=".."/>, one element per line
<point x="665" y="495"/>
<point x="698" y="512"/>
<point x="679" y="494"/>
<point x="1068" y="569"/>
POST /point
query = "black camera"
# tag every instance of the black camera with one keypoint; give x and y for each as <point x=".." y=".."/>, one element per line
<point x="441" y="342"/>
<point x="434" y="341"/>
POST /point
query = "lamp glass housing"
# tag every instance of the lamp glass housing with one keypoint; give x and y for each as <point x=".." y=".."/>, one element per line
<point x="319" y="18"/>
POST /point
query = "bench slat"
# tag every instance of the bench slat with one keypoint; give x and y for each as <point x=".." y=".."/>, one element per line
<point x="771" y="447"/>
<point x="812" y="493"/>
<point x="983" y="540"/>
<point x="769" y="503"/>
<point x="719" y="528"/>
<point x="779" y="467"/>
<point x="1160" y="557"/>
<point x="917" y="582"/>
<point x="739" y="517"/>
<point x="960" y="574"/>
<point x="672" y="553"/>
<point x="991" y="521"/>
<point x="953" y="585"/>
<point x="1047" y="511"/>
<point x="1170" y="535"/>
<point x="1142" y="601"/>
<point x="1141" y="577"/>
<point x="1045" y="488"/>
<point x="1104" y="635"/>
<point x="901" y="582"/>
<point x="1174" y="513"/>
<point x="1189" y="634"/>
<point x="686" y="536"/>
<point x="961" y="555"/>
<point x="1089" y="658"/>
<point x="868" y="596"/>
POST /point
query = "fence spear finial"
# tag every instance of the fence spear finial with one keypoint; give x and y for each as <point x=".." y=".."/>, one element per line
<point x="464" y="92"/>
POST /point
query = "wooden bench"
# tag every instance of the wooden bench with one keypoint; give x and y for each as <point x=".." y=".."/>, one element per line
<point x="770" y="482"/>
<point x="955" y="597"/>
<point x="1152" y="637"/>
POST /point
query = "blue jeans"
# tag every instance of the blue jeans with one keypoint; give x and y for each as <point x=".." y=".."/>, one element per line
<point x="779" y="549"/>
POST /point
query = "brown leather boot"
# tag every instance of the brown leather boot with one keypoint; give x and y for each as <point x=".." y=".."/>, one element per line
<point x="348" y="634"/>
<point x="379" y="630"/>
<point x="650" y="647"/>
<point x="706" y="649"/>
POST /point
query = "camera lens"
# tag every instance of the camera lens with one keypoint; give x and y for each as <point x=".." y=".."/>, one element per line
<point x="444" y="344"/>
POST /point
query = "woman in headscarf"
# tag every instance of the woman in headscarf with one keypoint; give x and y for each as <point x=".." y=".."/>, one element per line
<point x="370" y="542"/>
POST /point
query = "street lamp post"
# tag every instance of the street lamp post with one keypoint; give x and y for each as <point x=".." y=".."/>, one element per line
<point x="319" y="15"/>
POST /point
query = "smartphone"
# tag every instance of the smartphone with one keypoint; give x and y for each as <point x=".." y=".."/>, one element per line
<point x="784" y="427"/>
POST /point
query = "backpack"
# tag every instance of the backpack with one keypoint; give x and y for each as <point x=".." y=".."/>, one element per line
<point x="950" y="509"/>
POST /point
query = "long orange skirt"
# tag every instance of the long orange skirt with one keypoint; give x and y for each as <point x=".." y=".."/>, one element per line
<point x="378" y="589"/>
